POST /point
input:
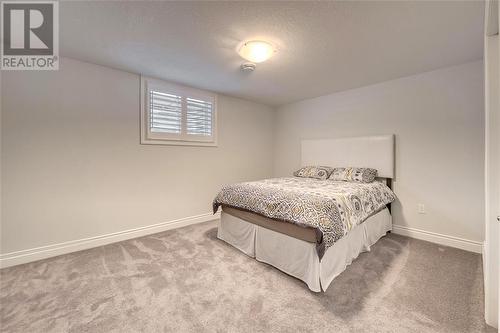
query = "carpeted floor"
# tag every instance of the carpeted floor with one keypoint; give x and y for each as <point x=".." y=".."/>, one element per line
<point x="186" y="280"/>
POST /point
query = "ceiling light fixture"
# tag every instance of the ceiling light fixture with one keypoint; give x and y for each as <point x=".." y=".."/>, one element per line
<point x="255" y="51"/>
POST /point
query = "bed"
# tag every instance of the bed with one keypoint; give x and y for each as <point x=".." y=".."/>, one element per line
<point x="281" y="221"/>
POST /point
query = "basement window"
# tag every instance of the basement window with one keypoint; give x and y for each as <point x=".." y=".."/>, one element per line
<point x="172" y="114"/>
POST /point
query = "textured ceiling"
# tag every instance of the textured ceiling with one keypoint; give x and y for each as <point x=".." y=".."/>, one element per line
<point x="323" y="46"/>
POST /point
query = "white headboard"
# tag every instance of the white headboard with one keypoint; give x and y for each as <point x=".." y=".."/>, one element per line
<point x="375" y="152"/>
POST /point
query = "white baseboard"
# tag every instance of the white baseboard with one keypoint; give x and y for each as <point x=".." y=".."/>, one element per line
<point x="459" y="243"/>
<point x="43" y="252"/>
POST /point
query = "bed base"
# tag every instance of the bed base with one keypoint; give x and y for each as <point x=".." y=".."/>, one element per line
<point x="299" y="258"/>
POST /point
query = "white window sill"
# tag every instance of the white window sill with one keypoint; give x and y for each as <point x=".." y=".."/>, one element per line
<point x="178" y="143"/>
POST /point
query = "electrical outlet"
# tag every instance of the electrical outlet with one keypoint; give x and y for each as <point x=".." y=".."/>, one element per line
<point x="421" y="208"/>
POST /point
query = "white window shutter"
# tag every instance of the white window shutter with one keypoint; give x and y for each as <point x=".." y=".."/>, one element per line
<point x="177" y="115"/>
<point x="165" y="112"/>
<point x="199" y="115"/>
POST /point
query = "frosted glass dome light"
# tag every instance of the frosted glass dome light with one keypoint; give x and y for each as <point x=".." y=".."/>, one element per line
<point x="256" y="51"/>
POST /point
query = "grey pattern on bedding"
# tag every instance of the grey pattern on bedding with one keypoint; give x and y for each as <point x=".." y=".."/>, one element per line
<point x="333" y="208"/>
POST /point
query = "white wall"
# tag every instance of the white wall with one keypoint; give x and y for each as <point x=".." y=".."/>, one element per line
<point x="491" y="253"/>
<point x="1" y="154"/>
<point x="438" y="119"/>
<point x="73" y="168"/>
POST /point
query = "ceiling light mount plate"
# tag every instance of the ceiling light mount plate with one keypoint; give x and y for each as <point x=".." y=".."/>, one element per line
<point x="247" y="67"/>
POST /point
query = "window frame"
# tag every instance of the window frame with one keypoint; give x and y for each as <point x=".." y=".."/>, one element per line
<point x="148" y="137"/>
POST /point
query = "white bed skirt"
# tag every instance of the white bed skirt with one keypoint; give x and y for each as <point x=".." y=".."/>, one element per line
<point x="299" y="258"/>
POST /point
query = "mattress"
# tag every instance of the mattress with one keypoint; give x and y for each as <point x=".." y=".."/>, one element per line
<point x="307" y="234"/>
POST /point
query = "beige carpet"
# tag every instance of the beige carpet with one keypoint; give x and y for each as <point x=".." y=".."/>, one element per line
<point x="186" y="280"/>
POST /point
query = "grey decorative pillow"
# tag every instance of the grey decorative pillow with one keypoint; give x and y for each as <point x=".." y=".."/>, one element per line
<point x="318" y="172"/>
<point x="363" y="175"/>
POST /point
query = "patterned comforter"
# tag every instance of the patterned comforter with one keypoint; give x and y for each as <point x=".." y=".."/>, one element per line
<point x="333" y="208"/>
